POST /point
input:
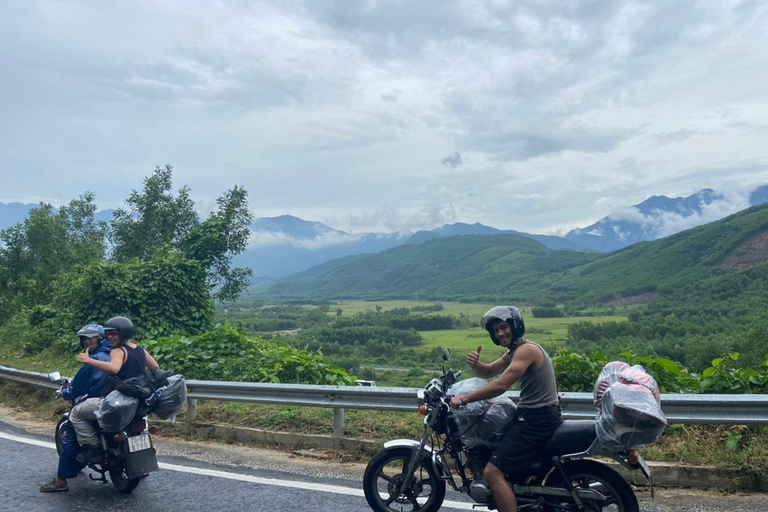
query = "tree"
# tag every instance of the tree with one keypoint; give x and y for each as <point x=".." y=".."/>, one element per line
<point x="155" y="218"/>
<point x="158" y="221"/>
<point x="214" y="242"/>
<point x="47" y="243"/>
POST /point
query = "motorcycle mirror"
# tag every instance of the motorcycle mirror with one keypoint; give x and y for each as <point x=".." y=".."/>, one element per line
<point x="54" y="376"/>
<point x="447" y="355"/>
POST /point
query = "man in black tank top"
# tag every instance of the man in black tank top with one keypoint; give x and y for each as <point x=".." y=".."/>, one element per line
<point x="539" y="408"/>
<point x="126" y="360"/>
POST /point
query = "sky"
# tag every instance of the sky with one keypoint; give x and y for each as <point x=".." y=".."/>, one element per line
<point x="538" y="116"/>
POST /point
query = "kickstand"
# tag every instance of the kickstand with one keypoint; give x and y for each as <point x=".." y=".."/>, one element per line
<point x="102" y="478"/>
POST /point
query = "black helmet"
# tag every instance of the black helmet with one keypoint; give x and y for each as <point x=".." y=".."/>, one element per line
<point x="90" y="331"/>
<point x="509" y="314"/>
<point x="121" y="325"/>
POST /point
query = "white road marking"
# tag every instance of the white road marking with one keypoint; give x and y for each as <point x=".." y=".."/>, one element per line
<point x="348" y="491"/>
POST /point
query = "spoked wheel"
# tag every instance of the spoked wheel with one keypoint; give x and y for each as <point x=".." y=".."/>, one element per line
<point x="612" y="492"/>
<point x="120" y="480"/>
<point x="384" y="476"/>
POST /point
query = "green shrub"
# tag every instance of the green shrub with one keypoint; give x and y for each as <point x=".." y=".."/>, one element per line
<point x="228" y="355"/>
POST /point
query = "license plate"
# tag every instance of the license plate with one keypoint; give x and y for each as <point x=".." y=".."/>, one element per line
<point x="139" y="443"/>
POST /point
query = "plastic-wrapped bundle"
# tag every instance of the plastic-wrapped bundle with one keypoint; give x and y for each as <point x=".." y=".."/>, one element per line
<point x="617" y="371"/>
<point x="116" y="411"/>
<point x="629" y="403"/>
<point x="172" y="398"/>
<point x="489" y="419"/>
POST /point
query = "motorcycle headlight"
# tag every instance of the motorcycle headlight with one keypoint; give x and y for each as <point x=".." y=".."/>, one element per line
<point x="434" y="389"/>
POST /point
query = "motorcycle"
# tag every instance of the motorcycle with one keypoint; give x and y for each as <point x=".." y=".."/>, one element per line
<point x="128" y="455"/>
<point x="409" y="475"/>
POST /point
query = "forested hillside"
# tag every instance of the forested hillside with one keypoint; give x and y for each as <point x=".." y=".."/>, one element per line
<point x="474" y="267"/>
<point x="515" y="268"/>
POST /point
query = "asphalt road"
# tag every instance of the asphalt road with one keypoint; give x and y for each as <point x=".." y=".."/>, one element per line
<point x="206" y="477"/>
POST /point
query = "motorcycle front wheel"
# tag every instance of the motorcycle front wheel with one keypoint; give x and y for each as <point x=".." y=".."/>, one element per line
<point x="614" y="493"/>
<point x="58" y="435"/>
<point x="384" y="476"/>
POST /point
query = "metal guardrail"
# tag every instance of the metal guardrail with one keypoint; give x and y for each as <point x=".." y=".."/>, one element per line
<point x="692" y="409"/>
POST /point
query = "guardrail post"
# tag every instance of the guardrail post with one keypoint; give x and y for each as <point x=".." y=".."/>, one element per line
<point x="191" y="409"/>
<point x="338" y="422"/>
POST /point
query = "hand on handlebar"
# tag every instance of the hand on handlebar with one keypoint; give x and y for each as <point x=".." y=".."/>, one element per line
<point x="456" y="402"/>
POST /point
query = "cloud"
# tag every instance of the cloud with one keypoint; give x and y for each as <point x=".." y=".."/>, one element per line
<point x="390" y="219"/>
<point x="659" y="224"/>
<point x="342" y="109"/>
<point x="260" y="239"/>
<point x="672" y="137"/>
<point x="452" y="161"/>
<point x="391" y="97"/>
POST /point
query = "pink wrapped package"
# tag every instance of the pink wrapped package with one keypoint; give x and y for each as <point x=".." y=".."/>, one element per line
<point x="628" y="401"/>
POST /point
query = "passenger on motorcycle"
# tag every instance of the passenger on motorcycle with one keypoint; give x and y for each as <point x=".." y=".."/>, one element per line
<point x="127" y="360"/>
<point x="538" y="410"/>
<point x="87" y="383"/>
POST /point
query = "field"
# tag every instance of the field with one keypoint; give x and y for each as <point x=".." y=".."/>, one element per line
<point x="551" y="332"/>
<point x="449" y="308"/>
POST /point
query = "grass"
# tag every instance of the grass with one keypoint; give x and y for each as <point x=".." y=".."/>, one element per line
<point x="449" y="308"/>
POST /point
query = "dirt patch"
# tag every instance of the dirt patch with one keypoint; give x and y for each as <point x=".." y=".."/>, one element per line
<point x="643" y="298"/>
<point x="750" y="253"/>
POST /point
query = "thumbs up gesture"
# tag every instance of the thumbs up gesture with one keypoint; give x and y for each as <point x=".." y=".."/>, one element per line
<point x="474" y="357"/>
<point x="83" y="356"/>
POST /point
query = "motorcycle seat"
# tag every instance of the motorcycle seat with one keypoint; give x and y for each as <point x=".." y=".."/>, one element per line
<point x="572" y="436"/>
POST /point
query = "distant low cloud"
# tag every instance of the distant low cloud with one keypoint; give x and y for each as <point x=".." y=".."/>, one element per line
<point x="662" y="223"/>
<point x="389" y="219"/>
<point x="452" y="161"/>
<point x="260" y="239"/>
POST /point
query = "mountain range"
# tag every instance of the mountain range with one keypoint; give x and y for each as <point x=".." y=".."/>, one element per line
<point x="285" y="245"/>
<point x="482" y="268"/>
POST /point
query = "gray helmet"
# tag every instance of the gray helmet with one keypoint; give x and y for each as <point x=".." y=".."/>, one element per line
<point x="509" y="314"/>
<point x="90" y="331"/>
<point x="121" y="325"/>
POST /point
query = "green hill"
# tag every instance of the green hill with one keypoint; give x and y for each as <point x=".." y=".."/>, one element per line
<point x="515" y="268"/>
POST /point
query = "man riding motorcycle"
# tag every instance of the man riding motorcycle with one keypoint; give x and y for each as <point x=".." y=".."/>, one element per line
<point x="87" y="383"/>
<point x="539" y="409"/>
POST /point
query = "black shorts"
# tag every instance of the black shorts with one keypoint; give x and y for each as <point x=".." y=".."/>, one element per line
<point x="522" y="443"/>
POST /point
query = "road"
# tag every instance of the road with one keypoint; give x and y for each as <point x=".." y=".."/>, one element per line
<point x="206" y="477"/>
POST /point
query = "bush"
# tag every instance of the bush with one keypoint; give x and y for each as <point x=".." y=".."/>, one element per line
<point x="546" y="312"/>
<point x="228" y="355"/>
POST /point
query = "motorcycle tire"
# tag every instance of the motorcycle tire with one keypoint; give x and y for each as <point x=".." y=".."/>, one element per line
<point x="384" y="474"/>
<point x="592" y="474"/>
<point x="120" y="479"/>
<point x="58" y="434"/>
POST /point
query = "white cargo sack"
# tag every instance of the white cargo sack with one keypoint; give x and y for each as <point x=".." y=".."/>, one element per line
<point x="116" y="411"/>
<point x="629" y="407"/>
<point x="171" y="398"/>
<point x="485" y="421"/>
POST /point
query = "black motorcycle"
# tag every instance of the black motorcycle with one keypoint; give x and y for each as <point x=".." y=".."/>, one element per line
<point x="128" y="455"/>
<point x="410" y="475"/>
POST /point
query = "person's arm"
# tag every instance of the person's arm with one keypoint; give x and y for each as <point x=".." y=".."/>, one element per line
<point x="116" y="359"/>
<point x="486" y="370"/>
<point x="151" y="363"/>
<point x="523" y="358"/>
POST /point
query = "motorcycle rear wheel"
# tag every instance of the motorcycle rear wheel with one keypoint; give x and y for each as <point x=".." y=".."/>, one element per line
<point x="384" y="474"/>
<point x="589" y="474"/>
<point x="119" y="477"/>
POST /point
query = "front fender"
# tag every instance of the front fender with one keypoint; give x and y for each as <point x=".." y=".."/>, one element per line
<point x="406" y="443"/>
